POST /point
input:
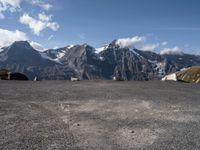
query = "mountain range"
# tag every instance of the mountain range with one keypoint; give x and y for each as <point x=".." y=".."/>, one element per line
<point x="87" y="63"/>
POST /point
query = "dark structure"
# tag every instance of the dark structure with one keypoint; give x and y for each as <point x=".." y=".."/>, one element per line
<point x="18" y="76"/>
<point x="8" y="75"/>
<point x="4" y="74"/>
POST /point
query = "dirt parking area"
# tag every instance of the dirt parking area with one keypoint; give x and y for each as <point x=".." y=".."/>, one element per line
<point x="99" y="115"/>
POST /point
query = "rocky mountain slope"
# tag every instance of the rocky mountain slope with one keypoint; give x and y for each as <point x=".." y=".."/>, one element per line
<point x="191" y="75"/>
<point x="85" y="62"/>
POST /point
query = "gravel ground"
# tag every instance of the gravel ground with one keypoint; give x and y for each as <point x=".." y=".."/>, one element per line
<point x="98" y="115"/>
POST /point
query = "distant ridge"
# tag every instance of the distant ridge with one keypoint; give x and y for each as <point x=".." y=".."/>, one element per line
<point x="87" y="63"/>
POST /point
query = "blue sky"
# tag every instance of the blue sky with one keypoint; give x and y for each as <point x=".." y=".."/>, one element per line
<point x="163" y="24"/>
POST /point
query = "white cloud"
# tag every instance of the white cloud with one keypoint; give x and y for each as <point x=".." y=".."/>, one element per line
<point x="130" y="42"/>
<point x="150" y="47"/>
<point x="53" y="25"/>
<point x="14" y="5"/>
<point x="37" y="46"/>
<point x="44" y="17"/>
<point x="8" y="37"/>
<point x="172" y="51"/>
<point x="11" y="5"/>
<point x="41" y="4"/>
<point x="8" y="5"/>
<point x="38" y="25"/>
<point x="164" y="43"/>
<point x="35" y="25"/>
<point x="46" y="6"/>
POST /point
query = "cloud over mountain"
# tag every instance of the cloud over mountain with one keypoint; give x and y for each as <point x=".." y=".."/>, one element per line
<point x="130" y="42"/>
<point x="150" y="47"/>
<point x="172" y="51"/>
<point x="8" y="37"/>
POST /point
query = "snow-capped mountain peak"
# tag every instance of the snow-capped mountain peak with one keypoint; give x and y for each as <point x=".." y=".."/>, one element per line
<point x="85" y="62"/>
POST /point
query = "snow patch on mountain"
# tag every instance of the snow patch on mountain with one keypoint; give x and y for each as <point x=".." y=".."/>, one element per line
<point x="101" y="58"/>
<point x="98" y="50"/>
<point x="37" y="46"/>
<point x="153" y="61"/>
<point x="160" y="67"/>
<point x="43" y="55"/>
<point x="70" y="46"/>
<point x="60" y="55"/>
<point x="133" y="51"/>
